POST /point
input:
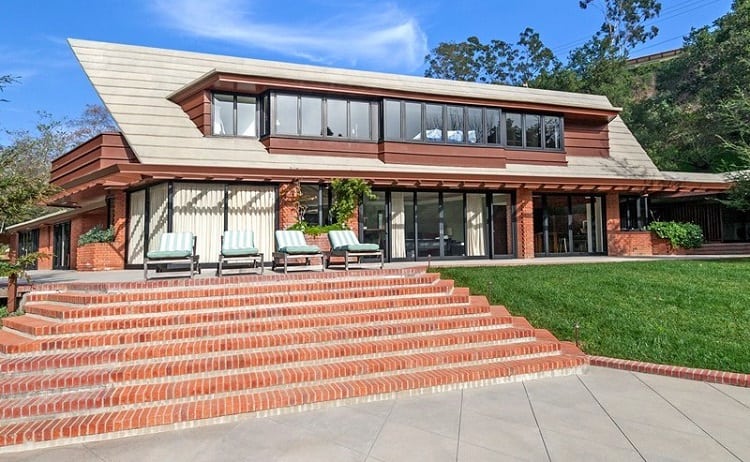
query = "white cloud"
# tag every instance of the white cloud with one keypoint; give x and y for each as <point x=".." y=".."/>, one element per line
<point x="374" y="36"/>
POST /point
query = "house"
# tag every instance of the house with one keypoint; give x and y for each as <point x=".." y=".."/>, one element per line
<point x="460" y="170"/>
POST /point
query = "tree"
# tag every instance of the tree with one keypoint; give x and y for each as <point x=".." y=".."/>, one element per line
<point x="6" y="80"/>
<point x="599" y="66"/>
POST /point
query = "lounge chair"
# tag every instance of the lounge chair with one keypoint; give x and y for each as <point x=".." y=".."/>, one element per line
<point x="292" y="244"/>
<point x="174" y="248"/>
<point x="345" y="244"/>
<point x="239" y="245"/>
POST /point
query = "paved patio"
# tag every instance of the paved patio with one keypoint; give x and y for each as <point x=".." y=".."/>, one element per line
<point x="604" y="414"/>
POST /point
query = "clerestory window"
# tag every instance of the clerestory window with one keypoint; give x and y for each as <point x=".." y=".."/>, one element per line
<point x="234" y="115"/>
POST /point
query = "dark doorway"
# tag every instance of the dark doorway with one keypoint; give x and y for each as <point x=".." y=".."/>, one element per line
<point x="28" y="242"/>
<point x="61" y="246"/>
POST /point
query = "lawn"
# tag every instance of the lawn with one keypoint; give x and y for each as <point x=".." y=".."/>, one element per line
<point x="690" y="313"/>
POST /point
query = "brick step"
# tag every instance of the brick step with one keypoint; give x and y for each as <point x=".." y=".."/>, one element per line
<point x="73" y="375"/>
<point x="42" y="362"/>
<point x="39" y="327"/>
<point x="284" y="329"/>
<point x="146" y="392"/>
<point x="66" y="310"/>
<point x="166" y="285"/>
<point x="38" y="430"/>
<point x="222" y="288"/>
<point x="63" y="314"/>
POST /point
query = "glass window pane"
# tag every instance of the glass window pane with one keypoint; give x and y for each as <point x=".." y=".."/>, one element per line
<point x="309" y="210"/>
<point x="552" y="132"/>
<point x="336" y="118"/>
<point x="266" y="118"/>
<point x="533" y="131"/>
<point x="428" y="224"/>
<point x="455" y="124"/>
<point x="223" y="115"/>
<point x="433" y="122"/>
<point x="493" y="126"/>
<point x="360" y="120"/>
<point x="286" y="115"/>
<point x="312" y="116"/>
<point x="246" y="116"/>
<point x="514" y="136"/>
<point x="392" y="120"/>
<point x="454" y="243"/>
<point x="413" y="122"/>
<point x="475" y="132"/>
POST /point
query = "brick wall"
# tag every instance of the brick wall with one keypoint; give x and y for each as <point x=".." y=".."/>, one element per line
<point x="45" y="247"/>
<point x="288" y="199"/>
<point x="525" y="223"/>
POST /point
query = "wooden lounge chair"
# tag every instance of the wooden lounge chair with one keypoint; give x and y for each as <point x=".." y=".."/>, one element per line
<point x="174" y="248"/>
<point x="292" y="244"/>
<point x="239" y="246"/>
<point x="345" y="244"/>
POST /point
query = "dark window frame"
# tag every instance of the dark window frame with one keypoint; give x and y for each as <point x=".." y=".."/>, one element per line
<point x="234" y="96"/>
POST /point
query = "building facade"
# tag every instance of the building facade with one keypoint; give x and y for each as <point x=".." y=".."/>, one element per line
<point x="460" y="170"/>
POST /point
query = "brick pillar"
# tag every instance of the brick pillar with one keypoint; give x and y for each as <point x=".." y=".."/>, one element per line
<point x="525" y="223"/>
<point x="612" y="201"/>
<point x="119" y="224"/>
<point x="77" y="227"/>
<point x="353" y="222"/>
<point x="13" y="247"/>
<point x="45" y="247"/>
<point x="289" y="194"/>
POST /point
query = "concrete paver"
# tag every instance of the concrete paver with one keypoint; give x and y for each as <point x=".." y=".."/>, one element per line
<point x="604" y="414"/>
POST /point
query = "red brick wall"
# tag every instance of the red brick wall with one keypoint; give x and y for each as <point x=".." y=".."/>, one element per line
<point x="101" y="256"/>
<point x="82" y="224"/>
<point x="622" y="243"/>
<point x="288" y="199"/>
<point x="525" y="223"/>
<point x="45" y="247"/>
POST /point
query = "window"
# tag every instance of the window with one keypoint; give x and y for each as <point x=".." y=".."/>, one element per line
<point x="315" y="204"/>
<point x="474" y="127"/>
<point x="433" y="123"/>
<point x="455" y="124"/>
<point x="493" y="126"/>
<point x="513" y="131"/>
<point x="392" y="120"/>
<point x="318" y="116"/>
<point x="413" y="121"/>
<point x="234" y="115"/>
<point x="633" y="213"/>
<point x="552" y="129"/>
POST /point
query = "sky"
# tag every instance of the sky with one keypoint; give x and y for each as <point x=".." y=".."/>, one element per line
<point x="386" y="36"/>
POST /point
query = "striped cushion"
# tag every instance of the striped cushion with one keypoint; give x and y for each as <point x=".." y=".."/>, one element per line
<point x="238" y="243"/>
<point x="347" y="240"/>
<point x="173" y="245"/>
<point x="288" y="241"/>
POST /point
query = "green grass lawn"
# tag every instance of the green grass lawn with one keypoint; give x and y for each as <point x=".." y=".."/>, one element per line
<point x="689" y="313"/>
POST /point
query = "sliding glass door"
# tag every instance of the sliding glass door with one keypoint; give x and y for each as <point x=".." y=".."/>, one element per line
<point x="568" y="224"/>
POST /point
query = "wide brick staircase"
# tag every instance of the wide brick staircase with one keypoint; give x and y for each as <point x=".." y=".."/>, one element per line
<point x="129" y="358"/>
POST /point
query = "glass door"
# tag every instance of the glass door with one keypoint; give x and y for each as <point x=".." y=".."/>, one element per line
<point x="61" y="246"/>
<point x="28" y="242"/>
<point x="502" y="225"/>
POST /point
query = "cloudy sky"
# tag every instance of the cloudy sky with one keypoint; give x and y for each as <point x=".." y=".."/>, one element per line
<point x="370" y="35"/>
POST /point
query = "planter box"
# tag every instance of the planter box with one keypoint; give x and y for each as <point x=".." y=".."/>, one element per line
<point x="99" y="256"/>
<point x="661" y="246"/>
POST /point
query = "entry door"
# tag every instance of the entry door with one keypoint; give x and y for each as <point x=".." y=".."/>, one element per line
<point x="61" y="246"/>
<point x="28" y="242"/>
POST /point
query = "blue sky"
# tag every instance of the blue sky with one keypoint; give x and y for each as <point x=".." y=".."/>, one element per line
<point x="372" y="35"/>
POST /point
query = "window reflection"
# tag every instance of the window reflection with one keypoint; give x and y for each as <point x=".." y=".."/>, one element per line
<point x="513" y="132"/>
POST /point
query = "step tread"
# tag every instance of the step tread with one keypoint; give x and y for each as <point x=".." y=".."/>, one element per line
<point x="109" y="358"/>
<point x="256" y="401"/>
<point x="146" y="392"/>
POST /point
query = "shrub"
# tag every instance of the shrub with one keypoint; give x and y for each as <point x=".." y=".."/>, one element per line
<point x="97" y="234"/>
<point x="680" y="235"/>
<point x="314" y="230"/>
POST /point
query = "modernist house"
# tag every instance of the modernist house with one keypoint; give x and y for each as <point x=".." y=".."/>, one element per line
<point x="461" y="170"/>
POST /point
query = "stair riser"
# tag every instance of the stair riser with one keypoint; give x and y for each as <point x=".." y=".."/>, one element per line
<point x="228" y="290"/>
<point x="227" y="312"/>
<point x="41" y="291"/>
<point x="72" y="427"/>
<point x="117" y="309"/>
<point x="252" y="346"/>
<point x="198" y="388"/>
<point x="239" y="333"/>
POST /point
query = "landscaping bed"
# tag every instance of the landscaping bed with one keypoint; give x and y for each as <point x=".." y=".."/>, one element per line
<point x="688" y="312"/>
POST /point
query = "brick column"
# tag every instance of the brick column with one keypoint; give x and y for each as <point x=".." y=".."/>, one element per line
<point x="13" y="247"/>
<point x="525" y="223"/>
<point x="614" y="246"/>
<point x="119" y="224"/>
<point x="45" y="247"/>
<point x="288" y="200"/>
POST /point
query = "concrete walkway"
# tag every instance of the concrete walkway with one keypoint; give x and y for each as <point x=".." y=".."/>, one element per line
<point x="604" y="414"/>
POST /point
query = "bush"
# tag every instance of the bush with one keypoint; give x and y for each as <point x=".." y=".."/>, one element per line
<point x="314" y="230"/>
<point x="97" y="234"/>
<point x="680" y="235"/>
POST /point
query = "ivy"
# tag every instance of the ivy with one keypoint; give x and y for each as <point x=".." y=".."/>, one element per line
<point x="347" y="194"/>
<point x="97" y="234"/>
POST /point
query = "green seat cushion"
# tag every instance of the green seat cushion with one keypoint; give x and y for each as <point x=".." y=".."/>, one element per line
<point x="359" y="248"/>
<point x="240" y="252"/>
<point x="164" y="254"/>
<point x="300" y="249"/>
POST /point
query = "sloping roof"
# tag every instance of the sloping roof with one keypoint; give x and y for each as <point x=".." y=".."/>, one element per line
<point x="135" y="83"/>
